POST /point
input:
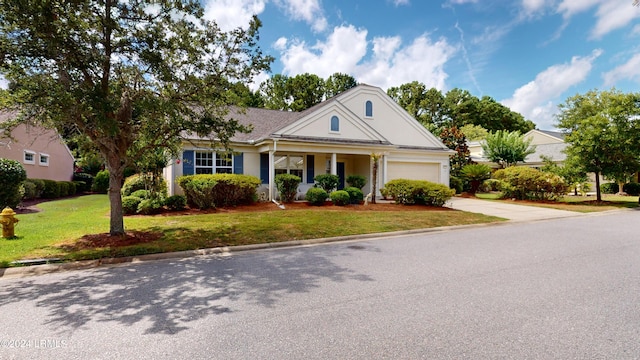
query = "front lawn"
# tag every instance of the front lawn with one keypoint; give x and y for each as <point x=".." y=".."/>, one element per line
<point x="58" y="229"/>
<point x="583" y="204"/>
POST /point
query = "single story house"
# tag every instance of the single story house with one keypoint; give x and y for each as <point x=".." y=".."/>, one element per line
<point x="42" y="152"/>
<point x="336" y="137"/>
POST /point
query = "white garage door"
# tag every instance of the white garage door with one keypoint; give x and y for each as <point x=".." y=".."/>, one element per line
<point x="413" y="171"/>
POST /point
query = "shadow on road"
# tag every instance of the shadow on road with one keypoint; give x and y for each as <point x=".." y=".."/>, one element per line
<point x="170" y="294"/>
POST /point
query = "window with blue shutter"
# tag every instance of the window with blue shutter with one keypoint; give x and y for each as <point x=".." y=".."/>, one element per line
<point x="238" y="163"/>
<point x="187" y="162"/>
<point x="310" y="169"/>
<point x="264" y="168"/>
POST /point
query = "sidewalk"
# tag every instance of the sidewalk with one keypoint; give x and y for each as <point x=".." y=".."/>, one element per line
<point x="508" y="211"/>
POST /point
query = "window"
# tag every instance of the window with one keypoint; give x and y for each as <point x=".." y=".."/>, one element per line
<point x="209" y="162"/>
<point x="289" y="164"/>
<point x="29" y="157"/>
<point x="368" y="109"/>
<point x="335" y="123"/>
<point x="44" y="160"/>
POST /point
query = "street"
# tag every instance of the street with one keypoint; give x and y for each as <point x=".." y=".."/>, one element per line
<point x="557" y="289"/>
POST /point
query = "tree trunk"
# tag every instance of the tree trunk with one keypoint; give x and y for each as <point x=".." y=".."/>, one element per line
<point x="598" y="194"/>
<point x="116" y="223"/>
<point x="374" y="182"/>
<point x="621" y="188"/>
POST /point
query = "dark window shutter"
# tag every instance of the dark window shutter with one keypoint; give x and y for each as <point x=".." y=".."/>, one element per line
<point x="264" y="168"/>
<point x="187" y="162"/>
<point x="310" y="169"/>
<point x="238" y="163"/>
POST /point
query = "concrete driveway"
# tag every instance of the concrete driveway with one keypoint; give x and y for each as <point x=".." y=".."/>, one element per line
<point x="512" y="212"/>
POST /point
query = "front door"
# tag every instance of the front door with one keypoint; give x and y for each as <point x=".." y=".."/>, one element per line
<point x="340" y="171"/>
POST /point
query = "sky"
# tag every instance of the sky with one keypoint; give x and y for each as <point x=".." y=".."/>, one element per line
<point x="530" y="55"/>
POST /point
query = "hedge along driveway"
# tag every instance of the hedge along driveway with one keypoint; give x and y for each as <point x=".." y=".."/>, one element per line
<point x="56" y="230"/>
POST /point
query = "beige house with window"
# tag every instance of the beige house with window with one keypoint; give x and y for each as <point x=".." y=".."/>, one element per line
<point x="336" y="137"/>
<point x="42" y="152"/>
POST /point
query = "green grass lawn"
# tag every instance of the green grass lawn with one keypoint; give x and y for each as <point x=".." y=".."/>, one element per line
<point x="56" y="230"/>
<point x="583" y="204"/>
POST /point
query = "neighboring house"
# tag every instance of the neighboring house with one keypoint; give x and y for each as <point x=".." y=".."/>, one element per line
<point x="548" y="144"/>
<point x="336" y="136"/>
<point x="42" y="152"/>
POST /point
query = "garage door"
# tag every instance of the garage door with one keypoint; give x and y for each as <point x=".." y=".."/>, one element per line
<point x="413" y="171"/>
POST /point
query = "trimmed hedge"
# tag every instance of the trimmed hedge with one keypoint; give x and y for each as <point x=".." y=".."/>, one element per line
<point x="287" y="186"/>
<point x="525" y="183"/>
<point x="355" y="194"/>
<point x="632" y="188"/>
<point x="51" y="189"/>
<point x="328" y="182"/>
<point x="409" y="192"/>
<point x="137" y="182"/>
<point x="206" y="191"/>
<point x="13" y="175"/>
<point x="84" y="181"/>
<point x="130" y="204"/>
<point x="357" y="181"/>
<point x="340" y="198"/>
<point x="316" y="196"/>
<point x="176" y="202"/>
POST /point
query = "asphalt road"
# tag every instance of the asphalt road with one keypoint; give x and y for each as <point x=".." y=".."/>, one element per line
<point x="559" y="289"/>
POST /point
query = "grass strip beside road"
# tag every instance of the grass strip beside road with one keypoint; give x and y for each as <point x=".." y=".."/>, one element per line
<point x="583" y="204"/>
<point x="56" y="230"/>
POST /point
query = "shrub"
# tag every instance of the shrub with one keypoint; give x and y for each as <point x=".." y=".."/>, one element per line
<point x="73" y="188"/>
<point x="418" y="192"/>
<point x="340" y="197"/>
<point x="144" y="182"/>
<point x="609" y="188"/>
<point x="130" y="204"/>
<point x="316" y="196"/>
<point x="210" y="190"/>
<point x="287" y="186"/>
<point x="475" y="174"/>
<point x="456" y="184"/>
<point x="39" y="186"/>
<point x="355" y="195"/>
<point x="356" y="181"/>
<point x="632" y="188"/>
<point x="51" y="189"/>
<point x="12" y="174"/>
<point x="86" y="179"/>
<point x="176" y="202"/>
<point x="142" y="194"/>
<point x="30" y="190"/>
<point x="328" y="182"/>
<point x="525" y="183"/>
<point x="491" y="185"/>
<point x="64" y="188"/>
<point x="151" y="206"/>
<point x="101" y="182"/>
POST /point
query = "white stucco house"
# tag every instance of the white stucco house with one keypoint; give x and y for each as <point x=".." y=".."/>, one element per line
<point x="336" y="136"/>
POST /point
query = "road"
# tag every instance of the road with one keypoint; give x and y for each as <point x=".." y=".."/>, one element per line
<point x="563" y="289"/>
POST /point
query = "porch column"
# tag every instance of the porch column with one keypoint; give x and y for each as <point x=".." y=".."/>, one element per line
<point x="384" y="171"/>
<point x="271" y="172"/>
<point x="334" y="165"/>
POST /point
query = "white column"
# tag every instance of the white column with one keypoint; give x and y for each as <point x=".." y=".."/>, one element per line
<point x="384" y="171"/>
<point x="272" y="171"/>
<point x="334" y="165"/>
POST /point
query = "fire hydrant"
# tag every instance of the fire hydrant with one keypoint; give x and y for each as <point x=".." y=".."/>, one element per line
<point x="8" y="221"/>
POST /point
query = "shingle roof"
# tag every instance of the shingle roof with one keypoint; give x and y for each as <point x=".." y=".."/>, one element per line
<point x="555" y="134"/>
<point x="554" y="151"/>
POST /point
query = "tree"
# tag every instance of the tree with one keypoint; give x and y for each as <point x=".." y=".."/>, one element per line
<point x="474" y="132"/>
<point x="337" y="83"/>
<point x="603" y="133"/>
<point x="305" y="90"/>
<point x="454" y="139"/>
<point x="571" y="172"/>
<point x="375" y="160"/>
<point x="507" y="148"/>
<point x="275" y="93"/>
<point x="121" y="71"/>
<point x="411" y="97"/>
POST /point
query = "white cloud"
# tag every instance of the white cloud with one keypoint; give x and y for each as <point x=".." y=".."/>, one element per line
<point x="400" y="2"/>
<point x="388" y="64"/>
<point x="628" y="71"/>
<point x="533" y="6"/>
<point x="309" y="11"/>
<point x="535" y="99"/>
<point x="610" y="14"/>
<point x="231" y="14"/>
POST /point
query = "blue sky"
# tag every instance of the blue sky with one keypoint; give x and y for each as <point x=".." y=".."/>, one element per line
<point x="530" y="55"/>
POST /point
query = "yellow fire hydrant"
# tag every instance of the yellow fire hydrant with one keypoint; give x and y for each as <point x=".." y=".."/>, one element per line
<point x="8" y="221"/>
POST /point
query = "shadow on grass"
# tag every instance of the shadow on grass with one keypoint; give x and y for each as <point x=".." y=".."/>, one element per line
<point x="169" y="295"/>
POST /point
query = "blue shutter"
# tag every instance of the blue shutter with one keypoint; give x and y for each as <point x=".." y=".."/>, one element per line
<point x="188" y="162"/>
<point x="264" y="168"/>
<point x="238" y="163"/>
<point x="310" y="169"/>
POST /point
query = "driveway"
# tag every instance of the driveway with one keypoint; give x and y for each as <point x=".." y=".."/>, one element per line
<point x="508" y="211"/>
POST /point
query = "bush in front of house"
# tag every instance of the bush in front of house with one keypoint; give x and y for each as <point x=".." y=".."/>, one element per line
<point x="632" y="188"/>
<point x="609" y="188"/>
<point x="525" y="183"/>
<point x="205" y="191"/>
<point x="13" y="175"/>
<point x="150" y="206"/>
<point x="153" y="184"/>
<point x="316" y="196"/>
<point x="51" y="189"/>
<point x="130" y="204"/>
<point x="355" y="195"/>
<point x="142" y="194"/>
<point x="287" y="186"/>
<point x="340" y="198"/>
<point x="328" y="182"/>
<point x="475" y="174"/>
<point x="408" y="192"/>
<point x="64" y="188"/>
<point x="176" y="202"/>
<point x="101" y="182"/>
<point x="83" y="181"/>
<point x="456" y="184"/>
<point x="356" y="181"/>
<point x="30" y="191"/>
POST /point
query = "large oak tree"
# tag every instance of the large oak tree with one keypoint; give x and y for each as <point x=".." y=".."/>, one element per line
<point x="131" y="75"/>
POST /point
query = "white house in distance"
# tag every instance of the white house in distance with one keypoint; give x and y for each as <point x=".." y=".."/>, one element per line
<point x="42" y="152"/>
<point x="336" y="136"/>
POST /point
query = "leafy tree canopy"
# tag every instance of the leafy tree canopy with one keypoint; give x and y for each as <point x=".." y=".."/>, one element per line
<point x="507" y="148"/>
<point x="131" y="75"/>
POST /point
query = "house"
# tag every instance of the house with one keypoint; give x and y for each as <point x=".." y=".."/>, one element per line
<point x="336" y="137"/>
<point x="42" y="152"/>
